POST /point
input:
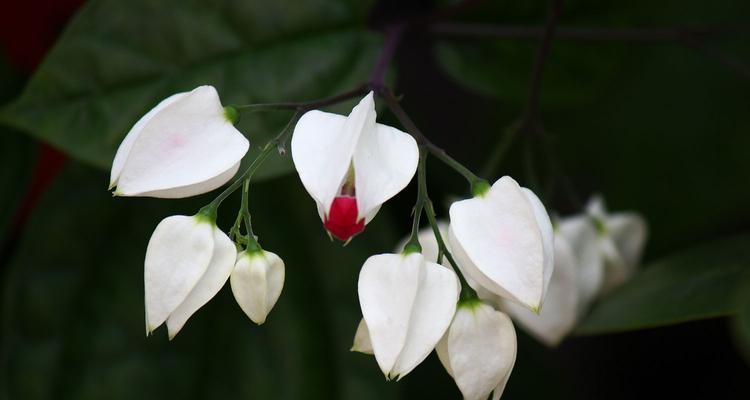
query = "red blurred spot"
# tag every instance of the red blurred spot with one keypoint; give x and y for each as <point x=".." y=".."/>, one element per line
<point x="29" y="28"/>
<point x="27" y="31"/>
<point x="342" y="218"/>
<point x="49" y="163"/>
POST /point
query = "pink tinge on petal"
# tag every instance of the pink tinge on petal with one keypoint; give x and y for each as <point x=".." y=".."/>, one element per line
<point x="342" y="221"/>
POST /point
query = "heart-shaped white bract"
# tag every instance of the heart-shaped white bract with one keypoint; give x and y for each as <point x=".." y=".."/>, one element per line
<point x="558" y="316"/>
<point x="371" y="161"/>
<point x="407" y="304"/>
<point x="503" y="240"/>
<point x="188" y="259"/>
<point x="183" y="147"/>
<point x="479" y="350"/>
<point x="257" y="281"/>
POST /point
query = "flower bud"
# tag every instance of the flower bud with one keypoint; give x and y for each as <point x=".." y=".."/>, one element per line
<point x="407" y="304"/>
<point x="503" y="241"/>
<point x="479" y="350"/>
<point x="351" y="165"/>
<point x="256" y="281"/>
<point x="183" y="147"/>
<point x="188" y="259"/>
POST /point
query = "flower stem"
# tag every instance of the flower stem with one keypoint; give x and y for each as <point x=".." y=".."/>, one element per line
<point x="252" y="243"/>
<point x="393" y="35"/>
<point x="392" y="102"/>
<point x="466" y="291"/>
<point x="413" y="243"/>
<point x="305" y="105"/>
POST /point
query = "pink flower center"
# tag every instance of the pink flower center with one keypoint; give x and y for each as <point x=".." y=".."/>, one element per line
<point x="342" y="220"/>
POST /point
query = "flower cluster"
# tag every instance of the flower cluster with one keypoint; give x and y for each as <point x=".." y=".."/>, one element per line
<point x="442" y="290"/>
<point x="501" y="241"/>
<point x="185" y="146"/>
<point x="593" y="253"/>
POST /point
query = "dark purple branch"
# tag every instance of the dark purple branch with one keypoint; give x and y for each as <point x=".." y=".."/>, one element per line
<point x="587" y="34"/>
<point x="532" y="106"/>
<point x="393" y="36"/>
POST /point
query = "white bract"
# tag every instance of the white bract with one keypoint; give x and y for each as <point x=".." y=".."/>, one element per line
<point x="362" y="342"/>
<point x="560" y="313"/>
<point x="256" y="281"/>
<point x="351" y="165"/>
<point x="503" y="240"/>
<point x="183" y="147"/>
<point x="407" y="304"/>
<point x="608" y="246"/>
<point x="479" y="350"/>
<point x="188" y="259"/>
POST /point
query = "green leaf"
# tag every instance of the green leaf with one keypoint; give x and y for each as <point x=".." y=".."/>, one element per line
<point x="117" y="59"/>
<point x="741" y="323"/>
<point x="17" y="157"/>
<point x="73" y="323"/>
<point x="699" y="283"/>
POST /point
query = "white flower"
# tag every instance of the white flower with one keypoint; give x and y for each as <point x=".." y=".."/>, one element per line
<point x="188" y="260"/>
<point x="479" y="350"/>
<point x="183" y="147"/>
<point x="351" y="165"/>
<point x="256" y="281"/>
<point x="407" y="304"/>
<point x="560" y="312"/>
<point x="609" y="246"/>
<point x="503" y="240"/>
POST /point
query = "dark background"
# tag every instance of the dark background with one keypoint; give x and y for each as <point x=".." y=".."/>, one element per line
<point x="660" y="127"/>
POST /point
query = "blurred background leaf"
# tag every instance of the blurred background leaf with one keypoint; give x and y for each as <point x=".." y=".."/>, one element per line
<point x="118" y="59"/>
<point x="17" y="158"/>
<point x="704" y="282"/>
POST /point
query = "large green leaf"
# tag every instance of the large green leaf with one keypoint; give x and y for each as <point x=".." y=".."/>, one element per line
<point x="73" y="306"/>
<point x="700" y="283"/>
<point x="17" y="157"/>
<point x="117" y="59"/>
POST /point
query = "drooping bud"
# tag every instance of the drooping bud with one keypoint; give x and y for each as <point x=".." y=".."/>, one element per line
<point x="188" y="259"/>
<point x="479" y="350"/>
<point x="503" y="241"/>
<point x="407" y="304"/>
<point x="257" y="281"/>
<point x="185" y="146"/>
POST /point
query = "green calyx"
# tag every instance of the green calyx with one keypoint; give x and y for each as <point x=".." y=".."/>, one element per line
<point x="253" y="248"/>
<point x="470" y="303"/>
<point x="480" y="187"/>
<point x="599" y="225"/>
<point x="231" y="114"/>
<point x="207" y="214"/>
<point x="412" y="247"/>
